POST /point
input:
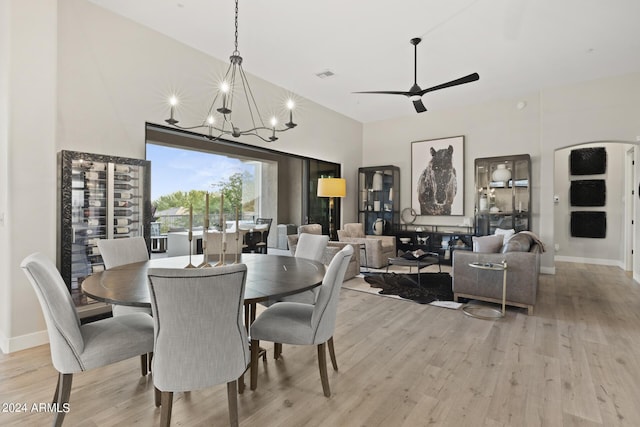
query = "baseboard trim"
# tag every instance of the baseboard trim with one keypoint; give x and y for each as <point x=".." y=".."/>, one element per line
<point x="548" y="270"/>
<point x="597" y="261"/>
<point x="23" y="342"/>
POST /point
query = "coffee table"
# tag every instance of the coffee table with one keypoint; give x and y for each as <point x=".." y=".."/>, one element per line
<point x="431" y="259"/>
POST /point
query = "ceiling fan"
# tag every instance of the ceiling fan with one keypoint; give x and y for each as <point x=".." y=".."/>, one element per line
<point x="416" y="92"/>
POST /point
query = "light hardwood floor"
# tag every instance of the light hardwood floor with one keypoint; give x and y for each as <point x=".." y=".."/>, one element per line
<point x="575" y="362"/>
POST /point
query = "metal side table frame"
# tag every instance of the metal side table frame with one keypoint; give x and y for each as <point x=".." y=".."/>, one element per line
<point x="477" y="310"/>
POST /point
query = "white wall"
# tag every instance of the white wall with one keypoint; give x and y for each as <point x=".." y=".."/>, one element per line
<point x="601" y="110"/>
<point x="493" y="129"/>
<point x="5" y="56"/>
<point x="29" y="189"/>
<point x="111" y="76"/>
<point x="609" y="250"/>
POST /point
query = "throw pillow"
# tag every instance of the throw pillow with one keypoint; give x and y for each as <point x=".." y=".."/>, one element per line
<point x="518" y="243"/>
<point x="487" y="244"/>
<point x="506" y="234"/>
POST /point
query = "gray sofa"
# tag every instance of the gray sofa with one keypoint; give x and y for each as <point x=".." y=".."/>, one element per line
<point x="522" y="255"/>
<point x="332" y="249"/>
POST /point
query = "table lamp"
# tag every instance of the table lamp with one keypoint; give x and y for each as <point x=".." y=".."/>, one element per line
<point x="332" y="187"/>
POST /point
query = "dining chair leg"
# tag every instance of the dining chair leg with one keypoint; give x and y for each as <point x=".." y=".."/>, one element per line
<point x="277" y="350"/>
<point x="144" y="364"/>
<point x="247" y="316"/>
<point x="332" y="354"/>
<point x="255" y="351"/>
<point x="241" y="385"/>
<point x="157" y="395"/>
<point x="322" y="364"/>
<point x="165" y="412"/>
<point x="150" y="359"/>
<point x="63" y="392"/>
<point x="232" y="396"/>
<point x="55" y="394"/>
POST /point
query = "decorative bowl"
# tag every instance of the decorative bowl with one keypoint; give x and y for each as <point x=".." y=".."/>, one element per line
<point x="405" y="240"/>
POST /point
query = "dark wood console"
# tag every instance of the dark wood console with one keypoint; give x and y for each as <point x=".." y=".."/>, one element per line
<point x="444" y="242"/>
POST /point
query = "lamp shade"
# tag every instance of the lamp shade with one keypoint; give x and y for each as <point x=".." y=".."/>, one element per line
<point x="332" y="187"/>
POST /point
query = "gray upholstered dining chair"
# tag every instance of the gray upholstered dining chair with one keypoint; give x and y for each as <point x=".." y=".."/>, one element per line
<point x="310" y="246"/>
<point x="77" y="348"/>
<point x="117" y="252"/>
<point x="200" y="338"/>
<point x="304" y="324"/>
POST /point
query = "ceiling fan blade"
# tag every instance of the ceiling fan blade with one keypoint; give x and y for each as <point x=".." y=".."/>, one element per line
<point x="389" y="92"/>
<point x="419" y="106"/>
<point x="462" y="80"/>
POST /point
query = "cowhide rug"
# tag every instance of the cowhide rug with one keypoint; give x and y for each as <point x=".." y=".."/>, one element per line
<point x="433" y="286"/>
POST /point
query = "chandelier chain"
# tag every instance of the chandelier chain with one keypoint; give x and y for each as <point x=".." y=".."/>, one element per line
<point x="236" y="34"/>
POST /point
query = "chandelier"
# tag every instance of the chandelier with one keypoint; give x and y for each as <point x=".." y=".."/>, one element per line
<point x="219" y="121"/>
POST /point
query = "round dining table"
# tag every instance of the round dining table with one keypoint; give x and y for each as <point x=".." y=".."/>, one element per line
<point x="269" y="277"/>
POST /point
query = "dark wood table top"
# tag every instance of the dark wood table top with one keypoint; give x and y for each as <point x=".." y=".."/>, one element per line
<point x="268" y="276"/>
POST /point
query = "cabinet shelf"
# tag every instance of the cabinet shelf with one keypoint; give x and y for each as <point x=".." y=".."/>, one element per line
<point x="502" y="183"/>
<point x="378" y="197"/>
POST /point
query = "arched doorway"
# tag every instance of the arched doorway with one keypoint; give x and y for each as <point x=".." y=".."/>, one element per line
<point x="621" y="209"/>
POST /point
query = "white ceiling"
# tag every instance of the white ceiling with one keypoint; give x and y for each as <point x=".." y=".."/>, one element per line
<point x="517" y="46"/>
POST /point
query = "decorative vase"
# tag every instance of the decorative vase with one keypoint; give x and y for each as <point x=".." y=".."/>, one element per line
<point x="376" y="185"/>
<point x="501" y="173"/>
<point x="483" y="203"/>
<point x="378" y="227"/>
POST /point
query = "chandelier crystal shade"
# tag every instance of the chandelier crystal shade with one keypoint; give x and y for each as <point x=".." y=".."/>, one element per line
<point x="219" y="120"/>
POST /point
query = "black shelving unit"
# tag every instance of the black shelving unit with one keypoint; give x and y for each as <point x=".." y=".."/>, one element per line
<point x="379" y="198"/>
<point x="502" y="202"/>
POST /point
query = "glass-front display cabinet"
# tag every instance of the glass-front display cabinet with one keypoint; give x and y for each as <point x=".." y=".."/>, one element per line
<point x="101" y="197"/>
<point x="503" y="193"/>
<point x="379" y="199"/>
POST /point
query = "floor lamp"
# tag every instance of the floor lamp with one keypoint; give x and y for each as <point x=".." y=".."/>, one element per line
<point x="332" y="187"/>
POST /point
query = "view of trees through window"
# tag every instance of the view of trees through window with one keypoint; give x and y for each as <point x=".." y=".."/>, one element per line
<point x="181" y="178"/>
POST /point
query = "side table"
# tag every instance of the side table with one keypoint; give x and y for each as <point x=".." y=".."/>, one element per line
<point x="363" y="248"/>
<point x="482" y="311"/>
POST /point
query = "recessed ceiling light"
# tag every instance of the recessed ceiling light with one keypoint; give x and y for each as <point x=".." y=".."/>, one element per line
<point x="326" y="73"/>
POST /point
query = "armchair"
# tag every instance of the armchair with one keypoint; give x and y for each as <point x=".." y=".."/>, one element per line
<point x="522" y="255"/>
<point x="378" y="249"/>
<point x="330" y="251"/>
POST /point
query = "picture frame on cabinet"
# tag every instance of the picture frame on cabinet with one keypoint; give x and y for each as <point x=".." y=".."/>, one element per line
<point x="437" y="176"/>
